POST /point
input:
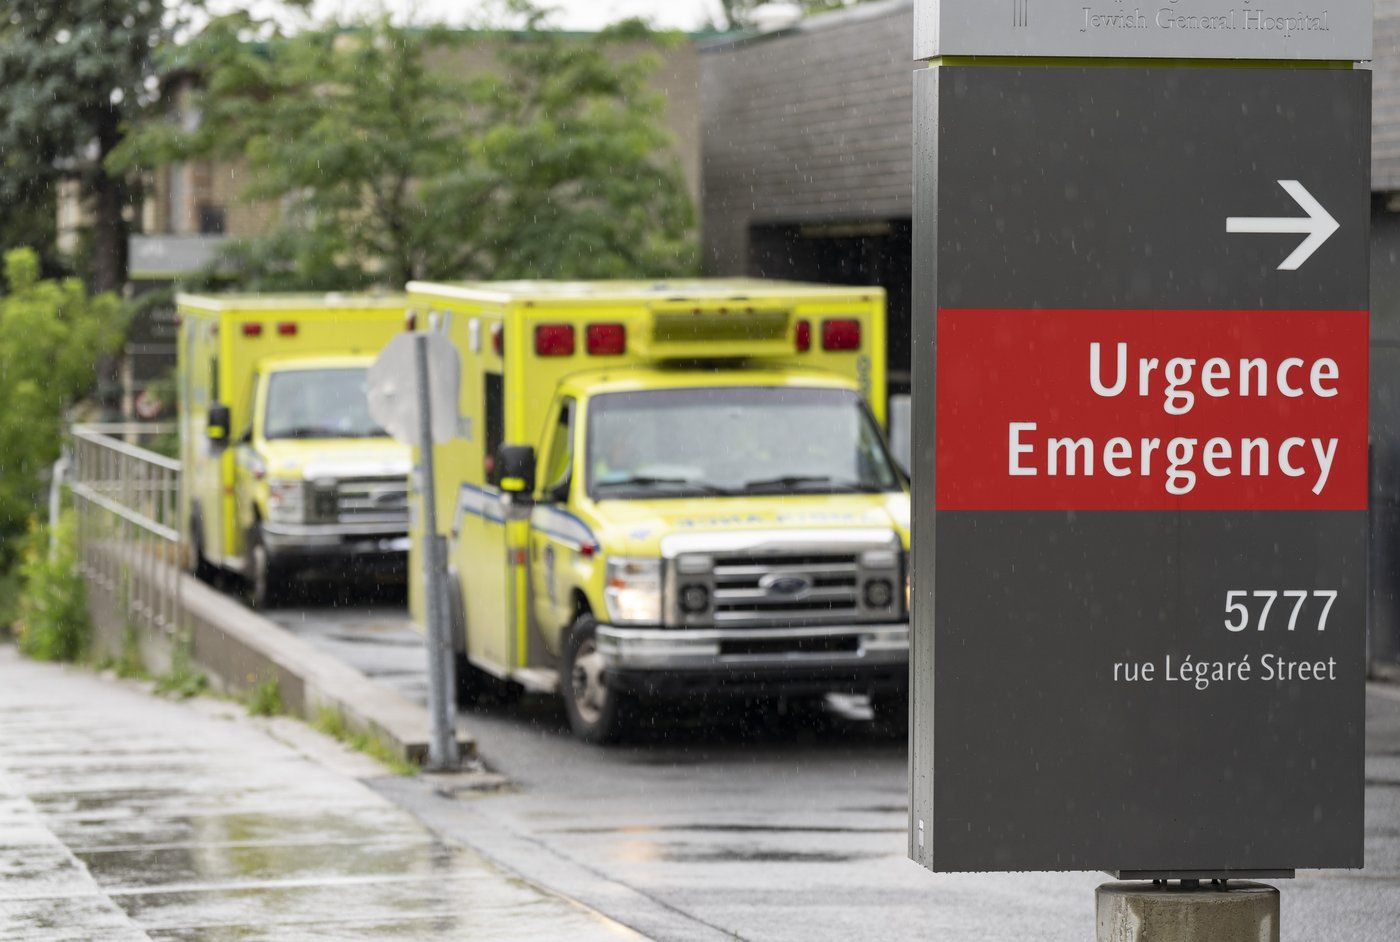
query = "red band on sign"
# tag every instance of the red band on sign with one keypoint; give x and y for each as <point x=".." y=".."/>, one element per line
<point x="1152" y="410"/>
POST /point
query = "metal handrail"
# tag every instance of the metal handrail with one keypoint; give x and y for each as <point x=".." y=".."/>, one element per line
<point x="129" y="533"/>
<point x="104" y="435"/>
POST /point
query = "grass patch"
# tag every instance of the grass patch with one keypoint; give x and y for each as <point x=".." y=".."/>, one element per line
<point x="50" y="613"/>
<point x="265" y="699"/>
<point x="129" y="664"/>
<point x="332" y="722"/>
<point x="183" y="681"/>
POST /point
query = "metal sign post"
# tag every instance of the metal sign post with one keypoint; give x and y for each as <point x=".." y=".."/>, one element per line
<point x="423" y="411"/>
<point x="1141" y="352"/>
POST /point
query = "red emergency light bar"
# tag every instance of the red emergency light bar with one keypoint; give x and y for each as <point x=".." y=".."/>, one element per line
<point x="840" y="335"/>
<point x="252" y="330"/>
<point x="802" y="339"/>
<point x="287" y="329"/>
<point x="606" y="340"/>
<point x="554" y="340"/>
<point x="498" y="340"/>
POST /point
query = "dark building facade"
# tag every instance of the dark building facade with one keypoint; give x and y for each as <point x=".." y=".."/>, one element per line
<point x="807" y="146"/>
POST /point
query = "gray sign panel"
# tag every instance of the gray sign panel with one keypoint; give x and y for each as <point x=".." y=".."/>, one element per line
<point x="1139" y="635"/>
<point x="1182" y="29"/>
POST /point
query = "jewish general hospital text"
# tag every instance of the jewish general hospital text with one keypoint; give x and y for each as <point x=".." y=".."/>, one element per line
<point x="1172" y="17"/>
<point x="1152" y="409"/>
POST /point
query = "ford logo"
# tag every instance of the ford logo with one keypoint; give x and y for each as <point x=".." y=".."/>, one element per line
<point x="782" y="585"/>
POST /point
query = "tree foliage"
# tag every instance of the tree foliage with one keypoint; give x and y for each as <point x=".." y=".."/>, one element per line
<point x="389" y="165"/>
<point x="74" y="74"/>
<point x="51" y="335"/>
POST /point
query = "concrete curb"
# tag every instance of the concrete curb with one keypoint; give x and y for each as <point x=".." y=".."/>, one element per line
<point x="240" y="650"/>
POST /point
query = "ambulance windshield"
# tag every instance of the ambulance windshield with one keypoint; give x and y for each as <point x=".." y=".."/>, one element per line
<point x="730" y="442"/>
<point x="329" y="403"/>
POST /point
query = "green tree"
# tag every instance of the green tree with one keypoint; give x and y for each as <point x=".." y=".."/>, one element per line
<point x="51" y="335"/>
<point x="74" y="75"/>
<point x="390" y="167"/>
<point x="580" y="178"/>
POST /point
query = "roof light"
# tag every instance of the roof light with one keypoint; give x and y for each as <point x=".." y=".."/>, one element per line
<point x="554" y="340"/>
<point x="287" y="329"/>
<point x="410" y="321"/>
<point x="498" y="339"/>
<point x="802" y="338"/>
<point x="841" y="335"/>
<point x="252" y="330"/>
<point x="606" y="340"/>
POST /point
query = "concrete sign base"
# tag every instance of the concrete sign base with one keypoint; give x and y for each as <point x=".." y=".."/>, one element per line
<point x="1137" y="912"/>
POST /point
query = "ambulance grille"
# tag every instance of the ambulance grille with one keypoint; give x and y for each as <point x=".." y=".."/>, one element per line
<point x="372" y="500"/>
<point x="749" y="590"/>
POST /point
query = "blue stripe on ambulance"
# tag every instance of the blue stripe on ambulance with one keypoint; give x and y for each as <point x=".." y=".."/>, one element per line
<point x="562" y="526"/>
<point x="478" y="502"/>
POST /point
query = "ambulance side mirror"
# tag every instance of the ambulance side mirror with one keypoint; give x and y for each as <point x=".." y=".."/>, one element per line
<point x="515" y="468"/>
<point x="217" y="427"/>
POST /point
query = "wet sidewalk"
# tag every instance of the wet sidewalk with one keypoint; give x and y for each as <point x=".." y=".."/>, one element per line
<point x="124" y="816"/>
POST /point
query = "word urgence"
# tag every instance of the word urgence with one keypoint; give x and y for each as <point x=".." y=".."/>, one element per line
<point x="1219" y="378"/>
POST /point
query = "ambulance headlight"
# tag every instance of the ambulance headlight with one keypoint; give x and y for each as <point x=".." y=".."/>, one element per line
<point x="633" y="592"/>
<point x="286" y="501"/>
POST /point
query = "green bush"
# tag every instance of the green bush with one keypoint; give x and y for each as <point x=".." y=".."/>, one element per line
<point x="51" y="620"/>
<point x="265" y="699"/>
<point x="52" y="334"/>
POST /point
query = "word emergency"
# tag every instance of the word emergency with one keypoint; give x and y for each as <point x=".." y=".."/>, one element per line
<point x="1183" y="383"/>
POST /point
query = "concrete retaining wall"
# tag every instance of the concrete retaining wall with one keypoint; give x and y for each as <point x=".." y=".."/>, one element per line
<point x="239" y="650"/>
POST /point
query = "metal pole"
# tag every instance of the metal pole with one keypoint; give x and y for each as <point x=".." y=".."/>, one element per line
<point x="442" y="748"/>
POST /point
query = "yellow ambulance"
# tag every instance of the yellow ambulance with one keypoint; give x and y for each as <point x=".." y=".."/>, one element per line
<point x="670" y="488"/>
<point x="285" y="471"/>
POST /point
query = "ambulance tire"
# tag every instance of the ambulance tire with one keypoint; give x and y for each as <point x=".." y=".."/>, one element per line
<point x="204" y="570"/>
<point x="473" y="684"/>
<point x="597" y="714"/>
<point x="891" y="710"/>
<point x="264" y="577"/>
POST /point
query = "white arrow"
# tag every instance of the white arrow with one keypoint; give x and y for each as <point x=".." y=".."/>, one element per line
<point x="1318" y="225"/>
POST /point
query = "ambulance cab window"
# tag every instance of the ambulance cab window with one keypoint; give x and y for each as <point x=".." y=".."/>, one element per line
<point x="494" y="398"/>
<point x="560" y="454"/>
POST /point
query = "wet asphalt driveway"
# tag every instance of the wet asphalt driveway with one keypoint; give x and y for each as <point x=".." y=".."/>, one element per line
<point x="723" y="825"/>
<point x="126" y="817"/>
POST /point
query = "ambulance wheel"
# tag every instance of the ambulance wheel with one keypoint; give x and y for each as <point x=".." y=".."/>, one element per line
<point x="204" y="570"/>
<point x="891" y="709"/>
<point x="598" y="715"/>
<point x="473" y="684"/>
<point x="264" y="577"/>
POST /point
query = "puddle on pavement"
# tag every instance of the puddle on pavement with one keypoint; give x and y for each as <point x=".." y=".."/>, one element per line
<point x="377" y="635"/>
<point x="742" y="855"/>
<point x="225" y="863"/>
<point x="330" y="825"/>
<point x="728" y="829"/>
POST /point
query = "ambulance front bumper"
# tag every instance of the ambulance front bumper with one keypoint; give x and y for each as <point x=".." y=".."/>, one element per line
<point x="815" y="659"/>
<point x="334" y="540"/>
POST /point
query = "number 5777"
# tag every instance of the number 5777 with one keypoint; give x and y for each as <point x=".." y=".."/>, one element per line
<point x="1238" y="611"/>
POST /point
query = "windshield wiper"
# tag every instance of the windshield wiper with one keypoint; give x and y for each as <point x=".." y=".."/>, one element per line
<point x="310" y="431"/>
<point x="801" y="480"/>
<point x="643" y="480"/>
